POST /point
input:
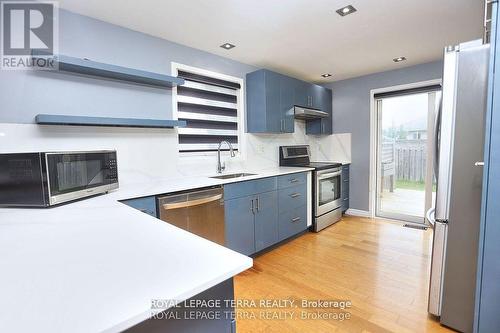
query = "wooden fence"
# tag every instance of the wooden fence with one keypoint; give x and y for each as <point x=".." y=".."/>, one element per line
<point x="410" y="158"/>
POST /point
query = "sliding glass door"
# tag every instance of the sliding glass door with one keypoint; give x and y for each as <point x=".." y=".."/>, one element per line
<point x="405" y="180"/>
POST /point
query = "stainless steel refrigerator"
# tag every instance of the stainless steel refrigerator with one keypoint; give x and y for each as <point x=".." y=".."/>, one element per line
<point x="458" y="158"/>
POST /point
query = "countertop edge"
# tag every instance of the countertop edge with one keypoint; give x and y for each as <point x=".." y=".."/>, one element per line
<point x="147" y="313"/>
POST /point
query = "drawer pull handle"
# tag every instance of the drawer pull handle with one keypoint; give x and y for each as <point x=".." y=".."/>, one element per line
<point x="294" y="180"/>
<point x="295" y="195"/>
<point x="296" y="219"/>
<point x="346" y="180"/>
<point x="345" y="199"/>
<point x="144" y="210"/>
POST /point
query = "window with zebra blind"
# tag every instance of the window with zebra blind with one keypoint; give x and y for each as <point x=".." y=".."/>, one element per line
<point x="210" y="105"/>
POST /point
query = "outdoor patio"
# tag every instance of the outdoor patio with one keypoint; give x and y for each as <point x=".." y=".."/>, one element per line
<point x="403" y="201"/>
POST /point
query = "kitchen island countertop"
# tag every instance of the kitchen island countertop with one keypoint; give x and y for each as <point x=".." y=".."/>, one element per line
<point x="95" y="265"/>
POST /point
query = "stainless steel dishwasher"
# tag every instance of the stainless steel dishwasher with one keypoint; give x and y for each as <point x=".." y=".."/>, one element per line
<point x="200" y="212"/>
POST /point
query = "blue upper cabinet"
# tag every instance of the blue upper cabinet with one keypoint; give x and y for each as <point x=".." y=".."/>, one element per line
<point x="287" y="90"/>
<point x="316" y="94"/>
<point x="301" y="93"/>
<point x="270" y="100"/>
<point x="321" y="126"/>
<point x="264" y="110"/>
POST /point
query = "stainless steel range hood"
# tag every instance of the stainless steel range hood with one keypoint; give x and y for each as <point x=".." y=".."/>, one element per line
<point x="305" y="113"/>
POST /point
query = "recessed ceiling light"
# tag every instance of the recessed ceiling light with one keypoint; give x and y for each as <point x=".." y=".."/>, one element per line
<point x="399" y="59"/>
<point x="326" y="75"/>
<point x="227" y="46"/>
<point x="346" y="10"/>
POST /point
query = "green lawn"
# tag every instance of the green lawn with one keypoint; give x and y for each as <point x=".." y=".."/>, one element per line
<point x="411" y="185"/>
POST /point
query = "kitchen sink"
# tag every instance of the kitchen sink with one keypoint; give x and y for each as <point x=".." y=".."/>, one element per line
<point x="233" y="175"/>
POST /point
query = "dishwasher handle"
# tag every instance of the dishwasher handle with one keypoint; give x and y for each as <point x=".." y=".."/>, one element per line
<point x="191" y="203"/>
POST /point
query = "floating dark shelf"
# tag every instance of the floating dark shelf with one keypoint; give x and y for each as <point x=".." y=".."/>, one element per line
<point x="99" y="69"/>
<point x="52" y="119"/>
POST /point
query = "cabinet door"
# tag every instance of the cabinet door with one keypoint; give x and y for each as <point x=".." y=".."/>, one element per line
<point x="326" y="104"/>
<point x="287" y="91"/>
<point x="239" y="224"/>
<point x="146" y="205"/>
<point x="488" y="293"/>
<point x="322" y="126"/>
<point x="266" y="220"/>
<point x="273" y="99"/>
<point x="317" y="92"/>
<point x="301" y="97"/>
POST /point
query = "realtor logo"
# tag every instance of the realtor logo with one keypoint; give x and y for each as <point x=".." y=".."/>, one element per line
<point x="28" y="28"/>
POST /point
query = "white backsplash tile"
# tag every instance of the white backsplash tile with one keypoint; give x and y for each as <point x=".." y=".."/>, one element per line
<point x="145" y="154"/>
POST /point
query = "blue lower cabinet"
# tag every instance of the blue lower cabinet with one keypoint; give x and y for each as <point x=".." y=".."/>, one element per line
<point x="345" y="204"/>
<point x="146" y="205"/>
<point x="345" y="188"/>
<point x="250" y="187"/>
<point x="256" y="211"/>
<point x="179" y="319"/>
<point x="295" y="196"/>
<point x="266" y="220"/>
<point x="292" y="222"/>
<point x="293" y="179"/>
<point x="239" y="224"/>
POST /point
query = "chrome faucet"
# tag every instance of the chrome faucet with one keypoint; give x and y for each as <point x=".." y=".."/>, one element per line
<point x="222" y="166"/>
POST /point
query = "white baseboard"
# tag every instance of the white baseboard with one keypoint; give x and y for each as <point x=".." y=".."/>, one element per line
<point x="358" y="212"/>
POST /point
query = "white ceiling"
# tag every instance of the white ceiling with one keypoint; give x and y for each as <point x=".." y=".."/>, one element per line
<point x="303" y="38"/>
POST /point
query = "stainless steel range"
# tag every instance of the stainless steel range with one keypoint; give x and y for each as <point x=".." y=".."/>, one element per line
<point x="327" y="182"/>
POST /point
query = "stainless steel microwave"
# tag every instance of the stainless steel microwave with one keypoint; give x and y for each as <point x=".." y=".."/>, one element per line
<point x="45" y="179"/>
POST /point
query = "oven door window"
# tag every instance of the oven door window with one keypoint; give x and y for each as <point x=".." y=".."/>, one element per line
<point x="329" y="190"/>
<point x="79" y="171"/>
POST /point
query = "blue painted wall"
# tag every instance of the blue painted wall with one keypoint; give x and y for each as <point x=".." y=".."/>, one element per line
<point x="25" y="94"/>
<point x="351" y="114"/>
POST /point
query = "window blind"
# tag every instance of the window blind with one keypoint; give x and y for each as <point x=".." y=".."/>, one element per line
<point x="210" y="108"/>
<point x="397" y="93"/>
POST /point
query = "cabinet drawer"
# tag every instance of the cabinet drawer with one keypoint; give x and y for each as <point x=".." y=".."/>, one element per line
<point x="250" y="187"/>
<point x="292" y="197"/>
<point x="345" y="171"/>
<point x="345" y="204"/>
<point x="345" y="189"/>
<point x="292" y="179"/>
<point x="146" y="205"/>
<point x="292" y="222"/>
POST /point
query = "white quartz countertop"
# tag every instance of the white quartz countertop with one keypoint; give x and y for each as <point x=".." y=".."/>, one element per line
<point x="169" y="185"/>
<point x="95" y="265"/>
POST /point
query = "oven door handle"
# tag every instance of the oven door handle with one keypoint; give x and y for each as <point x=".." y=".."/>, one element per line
<point x="329" y="175"/>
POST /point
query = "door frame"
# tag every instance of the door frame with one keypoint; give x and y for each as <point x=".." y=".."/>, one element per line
<point x="372" y="187"/>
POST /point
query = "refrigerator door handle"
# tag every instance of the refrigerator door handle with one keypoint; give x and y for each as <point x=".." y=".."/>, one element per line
<point x="446" y="132"/>
<point x="437" y="128"/>
<point x="437" y="268"/>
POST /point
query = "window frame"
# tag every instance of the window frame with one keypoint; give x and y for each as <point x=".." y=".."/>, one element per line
<point x="240" y="104"/>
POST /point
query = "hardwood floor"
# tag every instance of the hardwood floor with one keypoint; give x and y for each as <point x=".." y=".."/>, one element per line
<point x="381" y="267"/>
